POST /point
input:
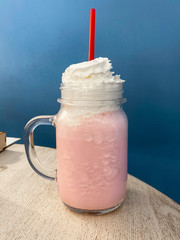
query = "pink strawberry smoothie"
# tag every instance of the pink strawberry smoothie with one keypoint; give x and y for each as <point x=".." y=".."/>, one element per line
<point x="92" y="160"/>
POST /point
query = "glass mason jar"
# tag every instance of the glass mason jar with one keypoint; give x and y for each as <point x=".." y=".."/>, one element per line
<point x="91" y="143"/>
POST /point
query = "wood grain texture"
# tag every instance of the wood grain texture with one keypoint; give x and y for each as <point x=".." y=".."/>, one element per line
<point x="30" y="208"/>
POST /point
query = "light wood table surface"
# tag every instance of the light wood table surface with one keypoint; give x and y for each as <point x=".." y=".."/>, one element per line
<point x="30" y="208"/>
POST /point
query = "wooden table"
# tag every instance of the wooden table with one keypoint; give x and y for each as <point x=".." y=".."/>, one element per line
<point x="30" y="208"/>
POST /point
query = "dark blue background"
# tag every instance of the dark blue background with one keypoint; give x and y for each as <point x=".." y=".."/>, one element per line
<point x="39" y="39"/>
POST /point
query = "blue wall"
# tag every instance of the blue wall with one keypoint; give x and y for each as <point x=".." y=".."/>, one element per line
<point x="39" y="39"/>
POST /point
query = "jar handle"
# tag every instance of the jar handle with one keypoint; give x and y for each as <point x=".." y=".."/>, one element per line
<point x="34" y="162"/>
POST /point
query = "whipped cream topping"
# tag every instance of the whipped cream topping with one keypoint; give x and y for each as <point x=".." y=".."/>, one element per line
<point x="91" y="72"/>
<point x="91" y="88"/>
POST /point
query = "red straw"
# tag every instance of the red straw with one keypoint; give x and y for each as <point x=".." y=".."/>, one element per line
<point x="92" y="34"/>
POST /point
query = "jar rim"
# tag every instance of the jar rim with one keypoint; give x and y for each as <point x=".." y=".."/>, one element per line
<point x="92" y="94"/>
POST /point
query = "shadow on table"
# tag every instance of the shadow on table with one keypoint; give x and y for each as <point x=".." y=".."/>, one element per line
<point x="9" y="157"/>
<point x="133" y="200"/>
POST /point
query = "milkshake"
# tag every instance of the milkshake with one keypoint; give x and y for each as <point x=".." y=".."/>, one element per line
<point x="91" y="138"/>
